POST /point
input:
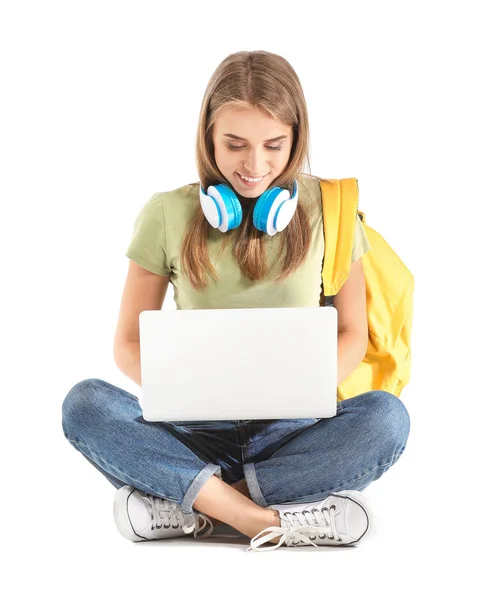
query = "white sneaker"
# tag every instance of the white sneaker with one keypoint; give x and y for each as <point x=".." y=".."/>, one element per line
<point x="140" y="516"/>
<point x="341" y="519"/>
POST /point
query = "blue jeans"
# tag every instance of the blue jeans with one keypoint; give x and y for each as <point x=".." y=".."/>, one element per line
<point x="282" y="460"/>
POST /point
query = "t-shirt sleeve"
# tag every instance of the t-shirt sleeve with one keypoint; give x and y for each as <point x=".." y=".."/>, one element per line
<point x="361" y="243"/>
<point x="147" y="245"/>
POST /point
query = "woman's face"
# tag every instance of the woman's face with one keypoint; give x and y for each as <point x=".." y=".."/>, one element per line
<point x="256" y="154"/>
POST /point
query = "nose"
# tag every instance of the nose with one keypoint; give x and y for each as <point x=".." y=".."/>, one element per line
<point x="255" y="163"/>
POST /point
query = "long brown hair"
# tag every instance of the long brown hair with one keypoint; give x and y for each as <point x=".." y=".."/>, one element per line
<point x="245" y="79"/>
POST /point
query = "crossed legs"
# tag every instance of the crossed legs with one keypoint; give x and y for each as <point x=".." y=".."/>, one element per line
<point x="232" y="504"/>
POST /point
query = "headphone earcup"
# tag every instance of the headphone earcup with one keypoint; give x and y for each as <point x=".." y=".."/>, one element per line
<point x="221" y="207"/>
<point x="274" y="209"/>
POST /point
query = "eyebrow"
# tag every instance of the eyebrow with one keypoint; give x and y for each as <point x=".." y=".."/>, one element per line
<point x="235" y="137"/>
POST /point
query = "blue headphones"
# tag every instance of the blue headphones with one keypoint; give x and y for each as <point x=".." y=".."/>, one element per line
<point x="273" y="210"/>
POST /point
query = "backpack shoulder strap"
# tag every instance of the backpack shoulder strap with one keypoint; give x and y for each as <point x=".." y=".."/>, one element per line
<point x="339" y="199"/>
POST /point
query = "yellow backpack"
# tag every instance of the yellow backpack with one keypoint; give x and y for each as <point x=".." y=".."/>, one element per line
<point x="389" y="292"/>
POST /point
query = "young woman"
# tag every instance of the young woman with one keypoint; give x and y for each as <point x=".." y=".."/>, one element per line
<point x="297" y="481"/>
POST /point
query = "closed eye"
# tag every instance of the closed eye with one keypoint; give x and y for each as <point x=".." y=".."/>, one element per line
<point x="269" y="147"/>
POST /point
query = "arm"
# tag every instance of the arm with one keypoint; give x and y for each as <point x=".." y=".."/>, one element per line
<point x="350" y="353"/>
<point x="143" y="290"/>
<point x="128" y="361"/>
<point x="353" y="332"/>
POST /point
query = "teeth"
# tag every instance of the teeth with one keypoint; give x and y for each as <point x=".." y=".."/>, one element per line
<point x="249" y="178"/>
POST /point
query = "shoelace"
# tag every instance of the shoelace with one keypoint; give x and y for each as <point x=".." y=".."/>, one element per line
<point x="325" y="524"/>
<point x="166" y="515"/>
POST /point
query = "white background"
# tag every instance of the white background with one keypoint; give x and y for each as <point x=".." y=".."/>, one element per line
<point x="99" y="109"/>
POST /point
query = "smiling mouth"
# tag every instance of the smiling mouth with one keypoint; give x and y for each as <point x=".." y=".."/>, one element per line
<point x="251" y="183"/>
<point x="250" y="177"/>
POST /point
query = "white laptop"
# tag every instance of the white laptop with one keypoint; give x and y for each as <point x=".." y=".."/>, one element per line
<point x="239" y="363"/>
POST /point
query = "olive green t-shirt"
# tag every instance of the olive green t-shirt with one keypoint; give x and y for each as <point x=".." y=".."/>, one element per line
<point x="158" y="233"/>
